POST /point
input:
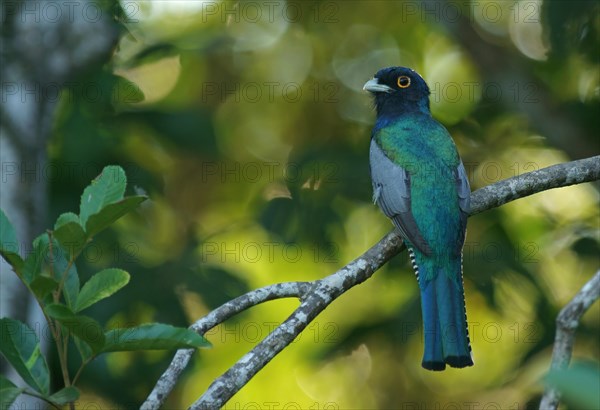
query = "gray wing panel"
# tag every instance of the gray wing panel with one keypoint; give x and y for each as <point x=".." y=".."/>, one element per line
<point x="464" y="201"/>
<point x="463" y="189"/>
<point x="391" y="191"/>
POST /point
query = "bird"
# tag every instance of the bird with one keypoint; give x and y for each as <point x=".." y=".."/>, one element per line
<point x="420" y="183"/>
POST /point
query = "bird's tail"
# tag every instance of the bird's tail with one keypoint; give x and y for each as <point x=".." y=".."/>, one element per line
<point x="444" y="319"/>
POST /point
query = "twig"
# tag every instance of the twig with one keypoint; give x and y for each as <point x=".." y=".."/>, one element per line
<point x="316" y="296"/>
<point x="167" y="381"/>
<point x="567" y="322"/>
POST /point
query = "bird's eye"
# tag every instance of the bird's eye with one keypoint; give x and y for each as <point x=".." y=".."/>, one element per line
<point x="403" y="81"/>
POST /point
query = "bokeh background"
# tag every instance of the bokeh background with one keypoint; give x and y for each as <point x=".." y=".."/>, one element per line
<point x="246" y="124"/>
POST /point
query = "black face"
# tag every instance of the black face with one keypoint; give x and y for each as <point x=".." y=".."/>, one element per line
<point x="398" y="90"/>
<point x="405" y="81"/>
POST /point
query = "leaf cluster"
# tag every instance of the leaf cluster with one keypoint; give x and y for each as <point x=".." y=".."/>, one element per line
<point x="50" y="273"/>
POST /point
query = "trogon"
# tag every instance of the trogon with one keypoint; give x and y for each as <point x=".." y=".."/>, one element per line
<point x="420" y="183"/>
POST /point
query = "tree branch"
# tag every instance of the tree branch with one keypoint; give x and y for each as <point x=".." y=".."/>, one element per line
<point x="555" y="176"/>
<point x="316" y="296"/>
<point x="567" y="322"/>
<point x="167" y="380"/>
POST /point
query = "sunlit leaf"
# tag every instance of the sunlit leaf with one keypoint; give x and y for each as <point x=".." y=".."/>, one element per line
<point x="106" y="188"/>
<point x="100" y="286"/>
<point x="154" y="336"/>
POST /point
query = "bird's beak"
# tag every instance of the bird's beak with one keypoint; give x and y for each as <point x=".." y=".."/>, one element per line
<point x="373" y="86"/>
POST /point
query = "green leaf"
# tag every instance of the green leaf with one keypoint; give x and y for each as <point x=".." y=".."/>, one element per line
<point x="64" y="396"/>
<point x="42" y="286"/>
<point x="5" y="383"/>
<point x="9" y="247"/>
<point x="126" y="92"/>
<point x="21" y="347"/>
<point x="100" y="286"/>
<point x="111" y="213"/>
<point x="8" y="392"/>
<point x="578" y="385"/>
<point x="35" y="260"/>
<point x="152" y="54"/>
<point x="8" y="396"/>
<point x="69" y="233"/>
<point x="82" y="327"/>
<point x="71" y="286"/>
<point x="83" y="348"/>
<point x="153" y="336"/>
<point x="106" y="188"/>
<point x="41" y="255"/>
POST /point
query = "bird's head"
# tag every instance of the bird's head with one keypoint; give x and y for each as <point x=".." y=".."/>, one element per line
<point x="398" y="90"/>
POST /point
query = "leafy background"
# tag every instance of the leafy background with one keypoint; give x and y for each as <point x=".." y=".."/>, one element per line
<point x="246" y="125"/>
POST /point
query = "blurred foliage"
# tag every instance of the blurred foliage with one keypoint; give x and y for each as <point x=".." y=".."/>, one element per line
<point x="578" y="384"/>
<point x="246" y="125"/>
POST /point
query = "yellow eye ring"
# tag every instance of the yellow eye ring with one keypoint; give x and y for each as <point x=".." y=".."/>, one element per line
<point x="403" y="81"/>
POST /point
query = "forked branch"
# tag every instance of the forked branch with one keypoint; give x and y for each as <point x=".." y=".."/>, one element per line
<point x="317" y="295"/>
